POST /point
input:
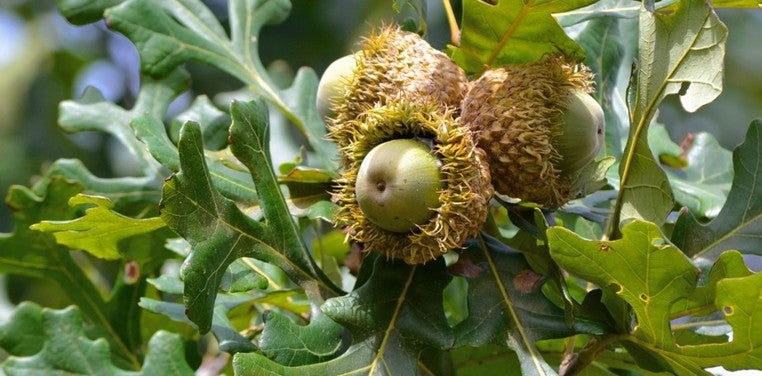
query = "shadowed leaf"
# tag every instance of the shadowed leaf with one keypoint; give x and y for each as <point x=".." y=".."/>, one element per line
<point x="219" y="231"/>
<point x="739" y="224"/>
<point x="394" y="315"/>
<point x="66" y="350"/>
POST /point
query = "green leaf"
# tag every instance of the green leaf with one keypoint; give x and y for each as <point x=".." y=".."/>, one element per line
<point x="506" y="306"/>
<point x="592" y="177"/>
<point x="411" y="14"/>
<point x="231" y="183"/>
<point x="23" y="334"/>
<point x="93" y="113"/>
<point x="227" y="336"/>
<point x="80" y="12"/>
<point x="700" y="175"/>
<point x="99" y="230"/>
<point x="483" y="360"/>
<point x="668" y="63"/>
<point x="392" y="317"/>
<point x="602" y="9"/>
<point x="701" y="300"/>
<point x="512" y="32"/>
<point x="36" y="254"/>
<point x="740" y="221"/>
<point x="309" y="193"/>
<point x="704" y="184"/>
<point x="214" y="123"/>
<point x="651" y="275"/>
<point x="217" y="229"/>
<point x="67" y="350"/>
<point x="294" y="345"/>
<point x="241" y="278"/>
<point x="168" y="35"/>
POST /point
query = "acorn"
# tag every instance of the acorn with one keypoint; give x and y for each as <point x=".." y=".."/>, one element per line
<point x="332" y="84"/>
<point x="398" y="185"/>
<point x="538" y="126"/>
<point x="415" y="185"/>
<point x="392" y="63"/>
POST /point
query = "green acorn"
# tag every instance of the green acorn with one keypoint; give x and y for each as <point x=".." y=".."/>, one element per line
<point x="538" y="126"/>
<point x="398" y="185"/>
<point x="331" y="87"/>
<point x="407" y="200"/>
<point x="392" y="63"/>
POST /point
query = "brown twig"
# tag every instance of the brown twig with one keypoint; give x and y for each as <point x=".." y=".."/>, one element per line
<point x="574" y="363"/>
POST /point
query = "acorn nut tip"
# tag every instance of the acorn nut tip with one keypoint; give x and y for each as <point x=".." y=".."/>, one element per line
<point x="332" y="84"/>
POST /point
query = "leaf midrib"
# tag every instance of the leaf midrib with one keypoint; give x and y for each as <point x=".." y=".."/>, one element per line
<point x="641" y="126"/>
<point x="509" y="305"/>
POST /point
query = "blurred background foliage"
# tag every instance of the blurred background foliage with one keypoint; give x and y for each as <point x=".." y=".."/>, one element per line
<point x="44" y="60"/>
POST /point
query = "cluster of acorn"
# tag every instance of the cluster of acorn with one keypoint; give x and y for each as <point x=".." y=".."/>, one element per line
<point x="423" y="148"/>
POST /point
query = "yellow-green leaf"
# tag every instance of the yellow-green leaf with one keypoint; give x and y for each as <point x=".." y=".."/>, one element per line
<point x="99" y="230"/>
<point x="512" y="31"/>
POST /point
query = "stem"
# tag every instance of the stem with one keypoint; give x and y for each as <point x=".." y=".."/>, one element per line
<point x="454" y="31"/>
<point x="579" y="361"/>
<point x="490" y="227"/>
<point x="697" y="324"/>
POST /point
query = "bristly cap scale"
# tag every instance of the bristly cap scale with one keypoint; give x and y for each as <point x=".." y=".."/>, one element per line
<point x="395" y="64"/>
<point x="466" y="188"/>
<point x="517" y="114"/>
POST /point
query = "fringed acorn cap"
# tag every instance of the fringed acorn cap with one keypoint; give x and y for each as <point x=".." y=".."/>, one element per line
<point x="394" y="63"/>
<point x="466" y="188"/>
<point x="517" y="113"/>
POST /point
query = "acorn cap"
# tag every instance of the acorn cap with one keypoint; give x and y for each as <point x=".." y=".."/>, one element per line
<point x="464" y="195"/>
<point x="394" y="63"/>
<point x="534" y="145"/>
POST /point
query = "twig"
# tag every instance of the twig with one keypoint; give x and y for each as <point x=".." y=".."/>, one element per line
<point x="574" y="363"/>
<point x="454" y="31"/>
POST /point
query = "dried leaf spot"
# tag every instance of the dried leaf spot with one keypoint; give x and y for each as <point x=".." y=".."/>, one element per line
<point x="603" y="247"/>
<point x="527" y="280"/>
<point x="727" y="310"/>
<point x="644" y="297"/>
<point x="465" y="268"/>
<point x="131" y="273"/>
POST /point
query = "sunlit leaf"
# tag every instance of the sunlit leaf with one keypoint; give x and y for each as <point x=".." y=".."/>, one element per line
<point x="93" y="113"/>
<point x="668" y="64"/>
<point x="36" y="254"/>
<point x="512" y="32"/>
<point x="99" y="230"/>
<point x="651" y="275"/>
